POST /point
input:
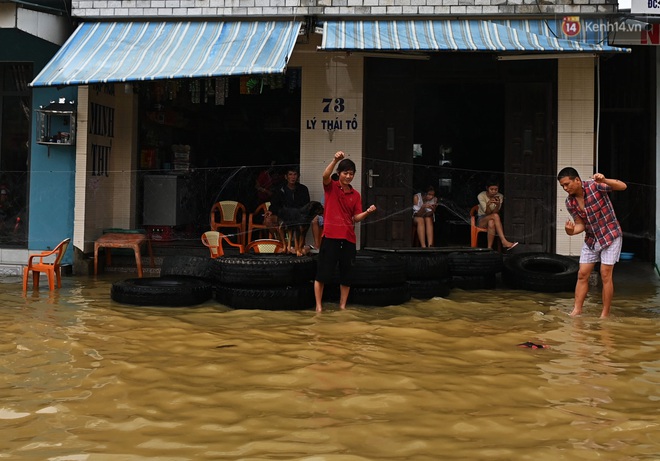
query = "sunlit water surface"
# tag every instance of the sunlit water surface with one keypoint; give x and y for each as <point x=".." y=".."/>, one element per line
<point x="84" y="378"/>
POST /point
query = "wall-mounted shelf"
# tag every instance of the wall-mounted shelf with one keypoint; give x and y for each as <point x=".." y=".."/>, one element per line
<point x="57" y="123"/>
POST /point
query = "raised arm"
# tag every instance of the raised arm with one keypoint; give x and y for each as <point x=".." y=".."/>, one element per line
<point x="615" y="184"/>
<point x="331" y="166"/>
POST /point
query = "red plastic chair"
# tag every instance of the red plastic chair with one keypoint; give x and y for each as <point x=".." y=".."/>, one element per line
<point x="254" y="228"/>
<point x="229" y="214"/>
<point x="475" y="230"/>
<point x="213" y="240"/>
<point x="266" y="246"/>
<point x="52" y="269"/>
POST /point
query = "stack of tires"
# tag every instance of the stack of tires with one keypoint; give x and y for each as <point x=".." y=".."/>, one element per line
<point x="184" y="281"/>
<point x="266" y="281"/>
<point x="377" y="280"/>
<point x="475" y="268"/>
<point x="426" y="271"/>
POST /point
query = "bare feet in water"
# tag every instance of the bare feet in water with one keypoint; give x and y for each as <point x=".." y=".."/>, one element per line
<point x="576" y="311"/>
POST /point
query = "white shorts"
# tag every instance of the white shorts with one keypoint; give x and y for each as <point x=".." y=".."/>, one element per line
<point x="608" y="255"/>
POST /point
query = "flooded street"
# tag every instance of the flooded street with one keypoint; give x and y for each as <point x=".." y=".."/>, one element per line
<point x="85" y="378"/>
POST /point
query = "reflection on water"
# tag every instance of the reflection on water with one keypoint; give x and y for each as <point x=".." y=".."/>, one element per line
<point x="85" y="378"/>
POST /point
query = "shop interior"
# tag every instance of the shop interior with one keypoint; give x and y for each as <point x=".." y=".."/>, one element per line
<point x="206" y="140"/>
<point x="15" y="103"/>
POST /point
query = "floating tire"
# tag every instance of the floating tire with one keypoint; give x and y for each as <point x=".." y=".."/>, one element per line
<point x="380" y="296"/>
<point x="272" y="270"/>
<point x="427" y="289"/>
<point x="298" y="297"/>
<point x="542" y="272"/>
<point x="371" y="270"/>
<point x="170" y="291"/>
<point x="476" y="261"/>
<point x="190" y="266"/>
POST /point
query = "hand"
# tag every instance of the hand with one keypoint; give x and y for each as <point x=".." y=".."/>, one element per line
<point x="599" y="177"/>
<point x="569" y="227"/>
<point x="339" y="155"/>
<point x="371" y="209"/>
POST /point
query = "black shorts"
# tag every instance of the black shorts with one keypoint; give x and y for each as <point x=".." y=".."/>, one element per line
<point x="331" y="253"/>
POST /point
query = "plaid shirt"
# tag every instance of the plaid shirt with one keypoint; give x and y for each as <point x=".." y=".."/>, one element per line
<point x="598" y="215"/>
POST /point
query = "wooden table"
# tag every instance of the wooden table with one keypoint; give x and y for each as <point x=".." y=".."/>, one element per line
<point x="117" y="240"/>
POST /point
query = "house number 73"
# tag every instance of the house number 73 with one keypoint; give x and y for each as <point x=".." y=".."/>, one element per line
<point x="337" y="104"/>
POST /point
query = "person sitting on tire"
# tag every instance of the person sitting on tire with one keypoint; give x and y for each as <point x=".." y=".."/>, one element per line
<point x="293" y="194"/>
<point x="488" y="217"/>
<point x="424" y="206"/>
<point x="343" y="208"/>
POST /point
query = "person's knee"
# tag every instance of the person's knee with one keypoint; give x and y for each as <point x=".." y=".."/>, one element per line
<point x="606" y="272"/>
<point x="491" y="224"/>
<point x="584" y="273"/>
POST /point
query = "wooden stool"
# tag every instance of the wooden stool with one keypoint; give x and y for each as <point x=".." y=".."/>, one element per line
<point x="116" y="240"/>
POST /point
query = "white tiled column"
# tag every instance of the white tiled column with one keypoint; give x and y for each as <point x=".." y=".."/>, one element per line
<point x="575" y="135"/>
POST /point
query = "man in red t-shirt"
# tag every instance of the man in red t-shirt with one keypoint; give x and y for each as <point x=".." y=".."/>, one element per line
<point x="343" y="208"/>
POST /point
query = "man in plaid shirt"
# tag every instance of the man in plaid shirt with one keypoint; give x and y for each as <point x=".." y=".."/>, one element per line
<point x="592" y="212"/>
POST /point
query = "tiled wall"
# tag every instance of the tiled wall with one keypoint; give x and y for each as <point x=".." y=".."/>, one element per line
<point x="271" y="8"/>
<point x="101" y="201"/>
<point x="575" y="135"/>
<point x="79" y="217"/>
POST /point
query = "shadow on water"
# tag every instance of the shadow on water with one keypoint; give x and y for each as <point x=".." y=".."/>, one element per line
<point x="85" y="378"/>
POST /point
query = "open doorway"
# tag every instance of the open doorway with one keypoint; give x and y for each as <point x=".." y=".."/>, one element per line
<point x="459" y="144"/>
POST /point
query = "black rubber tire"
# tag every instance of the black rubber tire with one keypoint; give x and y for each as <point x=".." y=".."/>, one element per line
<point x="427" y="289"/>
<point x="380" y="296"/>
<point x="420" y="263"/>
<point x="476" y="261"/>
<point x="370" y="270"/>
<point x="272" y="270"/>
<point x="300" y="297"/>
<point x="541" y="272"/>
<point x="474" y="282"/>
<point x="190" y="266"/>
<point x="170" y="291"/>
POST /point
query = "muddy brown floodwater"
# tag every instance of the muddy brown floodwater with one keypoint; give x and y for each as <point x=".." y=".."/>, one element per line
<point x="84" y="378"/>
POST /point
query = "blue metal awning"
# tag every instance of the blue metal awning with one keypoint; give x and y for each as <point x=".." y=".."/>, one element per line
<point x="459" y="35"/>
<point x="103" y="52"/>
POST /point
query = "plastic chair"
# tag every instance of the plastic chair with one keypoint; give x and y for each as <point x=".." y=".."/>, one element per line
<point x="474" y="230"/>
<point x="213" y="240"/>
<point x="229" y="214"/>
<point x="265" y="246"/>
<point x="52" y="269"/>
<point x="254" y="227"/>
